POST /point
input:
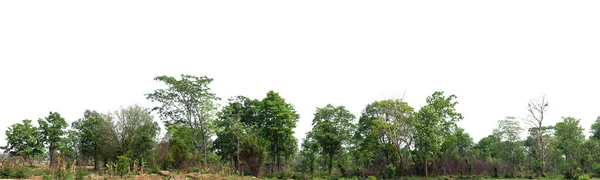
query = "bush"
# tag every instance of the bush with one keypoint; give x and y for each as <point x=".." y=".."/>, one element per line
<point x="372" y="178"/>
<point x="584" y="177"/>
<point x="122" y="165"/>
<point x="391" y="170"/>
<point x="154" y="170"/>
<point x="18" y="173"/>
<point x="81" y="173"/>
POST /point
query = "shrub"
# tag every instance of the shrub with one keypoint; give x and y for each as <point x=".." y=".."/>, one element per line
<point x="584" y="177"/>
<point x="122" y="165"/>
<point x="372" y="178"/>
<point x="391" y="170"/>
<point x="81" y="173"/>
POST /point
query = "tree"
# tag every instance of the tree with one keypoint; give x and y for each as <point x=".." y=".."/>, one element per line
<point x="485" y="147"/>
<point x="135" y="131"/>
<point x="389" y="125"/>
<point x="595" y="130"/>
<point x="187" y="101"/>
<point x="24" y="140"/>
<point x="537" y="109"/>
<point x="510" y="149"/>
<point x="309" y="154"/>
<point x="332" y="127"/>
<point x="52" y="131"/>
<point x="96" y="136"/>
<point x="279" y="119"/>
<point x="252" y="151"/>
<point x="230" y="128"/>
<point x="435" y="120"/>
<point x="570" y="139"/>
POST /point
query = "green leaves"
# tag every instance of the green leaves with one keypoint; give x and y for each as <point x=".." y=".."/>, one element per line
<point x="24" y="140"/>
<point x="332" y="127"/>
<point x="187" y="101"/>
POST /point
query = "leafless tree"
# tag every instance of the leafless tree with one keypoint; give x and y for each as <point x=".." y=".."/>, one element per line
<point x="537" y="108"/>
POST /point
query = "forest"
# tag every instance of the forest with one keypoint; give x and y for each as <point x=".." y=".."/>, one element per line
<point x="248" y="137"/>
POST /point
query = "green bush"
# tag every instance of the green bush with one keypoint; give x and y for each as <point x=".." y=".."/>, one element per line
<point x="18" y="173"/>
<point x="81" y="173"/>
<point x="596" y="168"/>
<point x="391" y="170"/>
<point x="372" y="178"/>
<point x="46" y="177"/>
<point x="154" y="170"/>
<point x="584" y="177"/>
<point x="122" y="165"/>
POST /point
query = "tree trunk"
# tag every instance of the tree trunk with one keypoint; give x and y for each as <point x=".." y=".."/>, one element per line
<point x="51" y="155"/>
<point x="330" y="163"/>
<point x="425" y="164"/>
<point x="95" y="157"/>
<point x="238" y="156"/>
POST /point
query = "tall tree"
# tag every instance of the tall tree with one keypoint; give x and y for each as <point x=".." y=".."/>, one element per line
<point x="391" y="122"/>
<point x="309" y="154"/>
<point x="510" y="149"/>
<point x="231" y="127"/>
<point x="537" y="109"/>
<point x="135" y="131"/>
<point x="52" y="131"/>
<point x="95" y="134"/>
<point x="595" y="130"/>
<point x="24" y="140"/>
<point x="279" y="119"/>
<point x="570" y="139"/>
<point x="187" y="101"/>
<point x="435" y="120"/>
<point x="332" y="127"/>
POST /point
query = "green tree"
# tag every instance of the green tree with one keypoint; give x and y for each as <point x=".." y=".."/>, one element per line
<point x="435" y="120"/>
<point x="52" y="131"/>
<point x="510" y="149"/>
<point x="187" y="101"/>
<point x="485" y="148"/>
<point x="179" y="146"/>
<point x="231" y="127"/>
<point x="309" y="154"/>
<point x="570" y="139"/>
<point x="595" y="130"/>
<point x="24" y="140"/>
<point x="279" y="119"/>
<point x="332" y="127"/>
<point x="386" y="127"/>
<point x="252" y="151"/>
<point x="96" y="136"/>
<point x="135" y="132"/>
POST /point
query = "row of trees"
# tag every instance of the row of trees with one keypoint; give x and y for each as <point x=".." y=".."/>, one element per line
<point x="389" y="139"/>
<point x="101" y="137"/>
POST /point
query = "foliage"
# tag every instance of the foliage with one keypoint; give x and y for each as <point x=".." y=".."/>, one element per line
<point x="51" y="131"/>
<point x="187" y="101"/>
<point x="435" y="120"/>
<point x="278" y="121"/>
<point x="122" y="165"/>
<point x="135" y="131"/>
<point x="332" y="127"/>
<point x="24" y="140"/>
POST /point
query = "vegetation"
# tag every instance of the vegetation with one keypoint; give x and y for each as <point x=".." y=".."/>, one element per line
<point x="390" y="139"/>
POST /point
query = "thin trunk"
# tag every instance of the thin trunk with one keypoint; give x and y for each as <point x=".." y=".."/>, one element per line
<point x="238" y="155"/>
<point x="277" y="154"/>
<point x="51" y="155"/>
<point x="95" y="157"/>
<point x="330" y="163"/>
<point x="425" y="164"/>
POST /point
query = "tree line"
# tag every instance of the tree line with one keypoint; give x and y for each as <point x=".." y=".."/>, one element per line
<point x="389" y="139"/>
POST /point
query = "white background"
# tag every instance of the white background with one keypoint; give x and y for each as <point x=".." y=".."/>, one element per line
<point x="69" y="56"/>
